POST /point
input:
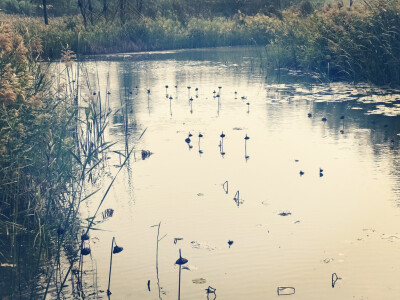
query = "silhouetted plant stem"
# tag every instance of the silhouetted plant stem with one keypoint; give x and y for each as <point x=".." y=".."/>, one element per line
<point x="158" y="240"/>
<point x="179" y="289"/>
<point x="109" y="274"/>
<point x="181" y="261"/>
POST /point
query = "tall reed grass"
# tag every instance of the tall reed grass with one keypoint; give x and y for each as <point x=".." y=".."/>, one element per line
<point x="337" y="41"/>
<point x="357" y="43"/>
<point x="143" y="33"/>
<point x="52" y="142"/>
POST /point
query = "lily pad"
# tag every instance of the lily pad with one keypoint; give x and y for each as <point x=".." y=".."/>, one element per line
<point x="286" y="291"/>
<point x="201" y="246"/>
<point x="199" y="281"/>
<point x="285" y="213"/>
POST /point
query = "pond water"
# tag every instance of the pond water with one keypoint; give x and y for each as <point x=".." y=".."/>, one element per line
<point x="287" y="229"/>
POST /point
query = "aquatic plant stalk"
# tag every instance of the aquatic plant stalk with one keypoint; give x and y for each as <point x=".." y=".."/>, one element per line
<point x="109" y="274"/>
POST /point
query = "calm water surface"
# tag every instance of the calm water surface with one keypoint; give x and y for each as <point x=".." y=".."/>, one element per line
<point x="345" y="220"/>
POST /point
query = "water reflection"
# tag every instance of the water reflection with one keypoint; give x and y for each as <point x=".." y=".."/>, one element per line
<point x="200" y="151"/>
<point x="170" y="106"/>
<point x="346" y="130"/>
<point x="246" y="138"/>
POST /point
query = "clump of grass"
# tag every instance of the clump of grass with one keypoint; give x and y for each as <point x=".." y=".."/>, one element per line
<point x="357" y="43"/>
<point x="35" y="160"/>
<point x="51" y="144"/>
<point x="145" y="33"/>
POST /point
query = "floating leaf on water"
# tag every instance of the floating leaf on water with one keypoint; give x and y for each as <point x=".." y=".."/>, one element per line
<point x="108" y="213"/>
<point x="284" y="291"/>
<point x="391" y="238"/>
<point x="117" y="249"/>
<point x="200" y="245"/>
<point x="146" y="154"/>
<point x="199" y="281"/>
<point x="389" y="111"/>
<point x="189" y="267"/>
<point x="210" y="290"/>
<point x="225" y="186"/>
<point x="181" y="261"/>
<point x="379" y="98"/>
<point x="177" y="239"/>
<point x="335" y="278"/>
<point x="85" y="251"/>
<point x="285" y="213"/>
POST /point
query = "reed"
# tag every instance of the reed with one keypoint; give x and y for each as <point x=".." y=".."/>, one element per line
<point x="142" y="34"/>
<point x="52" y="144"/>
<point x="361" y="43"/>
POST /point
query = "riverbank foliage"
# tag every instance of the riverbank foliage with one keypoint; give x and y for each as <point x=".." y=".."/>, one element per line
<point x="143" y="34"/>
<point x="45" y="162"/>
<point x="339" y="41"/>
<point x="35" y="159"/>
<point x="108" y="26"/>
<point x="43" y="159"/>
<point x="361" y="43"/>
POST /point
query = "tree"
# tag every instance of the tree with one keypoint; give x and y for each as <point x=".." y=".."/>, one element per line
<point x="46" y="20"/>
<point x="105" y="9"/>
<point x="122" y="10"/>
<point x="90" y="7"/>
<point x="82" y="7"/>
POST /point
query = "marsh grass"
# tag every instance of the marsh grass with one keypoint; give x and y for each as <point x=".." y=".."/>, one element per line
<point x="52" y="144"/>
<point x="143" y="33"/>
<point x="361" y="43"/>
<point x="358" y="43"/>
